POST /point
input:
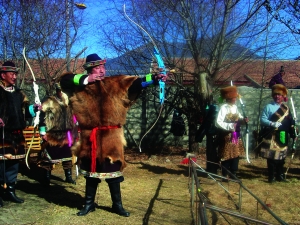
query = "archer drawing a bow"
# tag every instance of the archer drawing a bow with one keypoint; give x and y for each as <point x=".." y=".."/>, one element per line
<point x="37" y="102"/>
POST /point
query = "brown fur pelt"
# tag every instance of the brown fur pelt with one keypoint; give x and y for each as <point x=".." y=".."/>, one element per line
<point x="103" y="103"/>
<point x="58" y="119"/>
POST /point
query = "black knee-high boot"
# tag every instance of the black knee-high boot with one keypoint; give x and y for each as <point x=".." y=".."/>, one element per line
<point x="115" y="192"/>
<point x="90" y="193"/>
<point x="46" y="177"/>
<point x="68" y="174"/>
<point x="280" y="176"/>
<point x="10" y="195"/>
<point x="271" y="170"/>
<point x="1" y="195"/>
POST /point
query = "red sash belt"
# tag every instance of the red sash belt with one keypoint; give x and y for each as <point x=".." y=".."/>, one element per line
<point x="93" y="140"/>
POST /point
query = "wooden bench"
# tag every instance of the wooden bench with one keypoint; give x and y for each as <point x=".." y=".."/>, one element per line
<point x="28" y="133"/>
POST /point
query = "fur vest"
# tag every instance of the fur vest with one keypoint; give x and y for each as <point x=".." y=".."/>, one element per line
<point x="98" y="105"/>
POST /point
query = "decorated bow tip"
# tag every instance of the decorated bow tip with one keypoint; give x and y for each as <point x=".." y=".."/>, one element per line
<point x="162" y="71"/>
<point x="160" y="62"/>
<point x="37" y="103"/>
<point x="37" y="100"/>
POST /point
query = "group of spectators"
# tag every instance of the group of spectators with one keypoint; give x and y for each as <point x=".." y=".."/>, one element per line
<point x="224" y="140"/>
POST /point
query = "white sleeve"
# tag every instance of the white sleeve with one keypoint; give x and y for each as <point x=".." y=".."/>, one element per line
<point x="220" y="120"/>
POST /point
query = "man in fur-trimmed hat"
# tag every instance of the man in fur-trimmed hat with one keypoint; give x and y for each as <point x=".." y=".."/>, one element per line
<point x="13" y="103"/>
<point x="100" y="105"/>
<point x="277" y="124"/>
<point x="229" y="121"/>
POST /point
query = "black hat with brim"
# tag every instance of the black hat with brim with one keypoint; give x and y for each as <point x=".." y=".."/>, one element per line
<point x="93" y="60"/>
<point x="9" y="66"/>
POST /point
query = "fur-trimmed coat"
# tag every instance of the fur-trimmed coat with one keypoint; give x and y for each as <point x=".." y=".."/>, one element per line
<point x="103" y="103"/>
<point x="56" y="115"/>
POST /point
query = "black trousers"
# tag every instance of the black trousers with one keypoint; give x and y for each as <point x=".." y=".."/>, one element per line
<point x="231" y="165"/>
<point x="11" y="170"/>
<point x="275" y="167"/>
<point x="211" y="154"/>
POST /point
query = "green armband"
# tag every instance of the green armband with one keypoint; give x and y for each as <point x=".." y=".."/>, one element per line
<point x="148" y="81"/>
<point x="282" y="137"/>
<point x="149" y="77"/>
<point x="76" y="78"/>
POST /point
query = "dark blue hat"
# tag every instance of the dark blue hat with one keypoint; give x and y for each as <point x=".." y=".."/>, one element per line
<point x="93" y="60"/>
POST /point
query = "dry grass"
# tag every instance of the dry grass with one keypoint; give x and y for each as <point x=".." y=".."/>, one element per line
<point x="281" y="198"/>
<point x="155" y="191"/>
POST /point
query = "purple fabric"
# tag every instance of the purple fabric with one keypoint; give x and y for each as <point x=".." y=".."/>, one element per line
<point x="234" y="138"/>
<point x="277" y="79"/>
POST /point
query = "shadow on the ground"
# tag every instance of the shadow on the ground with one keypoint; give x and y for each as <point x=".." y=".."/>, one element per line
<point x="56" y="194"/>
<point x="182" y="170"/>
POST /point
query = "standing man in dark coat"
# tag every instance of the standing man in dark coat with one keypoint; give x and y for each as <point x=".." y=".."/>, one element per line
<point x="13" y="103"/>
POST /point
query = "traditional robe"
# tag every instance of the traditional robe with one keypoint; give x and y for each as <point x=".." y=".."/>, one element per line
<point x="14" y="108"/>
<point x="275" y="141"/>
<point x="57" y="121"/>
<point x="100" y="109"/>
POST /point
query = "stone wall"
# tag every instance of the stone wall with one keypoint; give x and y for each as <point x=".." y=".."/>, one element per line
<point x="254" y="101"/>
<point x="152" y="134"/>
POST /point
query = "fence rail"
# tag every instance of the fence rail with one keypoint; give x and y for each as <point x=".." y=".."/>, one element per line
<point x="201" y="203"/>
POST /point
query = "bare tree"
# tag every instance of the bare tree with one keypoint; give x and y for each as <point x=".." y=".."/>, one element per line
<point x="286" y="13"/>
<point x="40" y="26"/>
<point x="199" y="39"/>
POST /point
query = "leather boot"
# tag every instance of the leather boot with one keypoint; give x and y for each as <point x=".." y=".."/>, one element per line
<point x="281" y="178"/>
<point x="90" y="193"/>
<point x="68" y="174"/>
<point x="46" y="177"/>
<point x="1" y="194"/>
<point x="10" y="195"/>
<point x="115" y="192"/>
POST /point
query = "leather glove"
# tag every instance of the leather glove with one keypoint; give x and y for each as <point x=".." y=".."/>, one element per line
<point x="275" y="124"/>
<point x="1" y="123"/>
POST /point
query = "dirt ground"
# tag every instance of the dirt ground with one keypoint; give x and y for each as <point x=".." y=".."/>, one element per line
<point x="155" y="191"/>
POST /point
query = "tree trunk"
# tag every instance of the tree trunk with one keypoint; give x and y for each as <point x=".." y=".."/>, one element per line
<point x="193" y="145"/>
